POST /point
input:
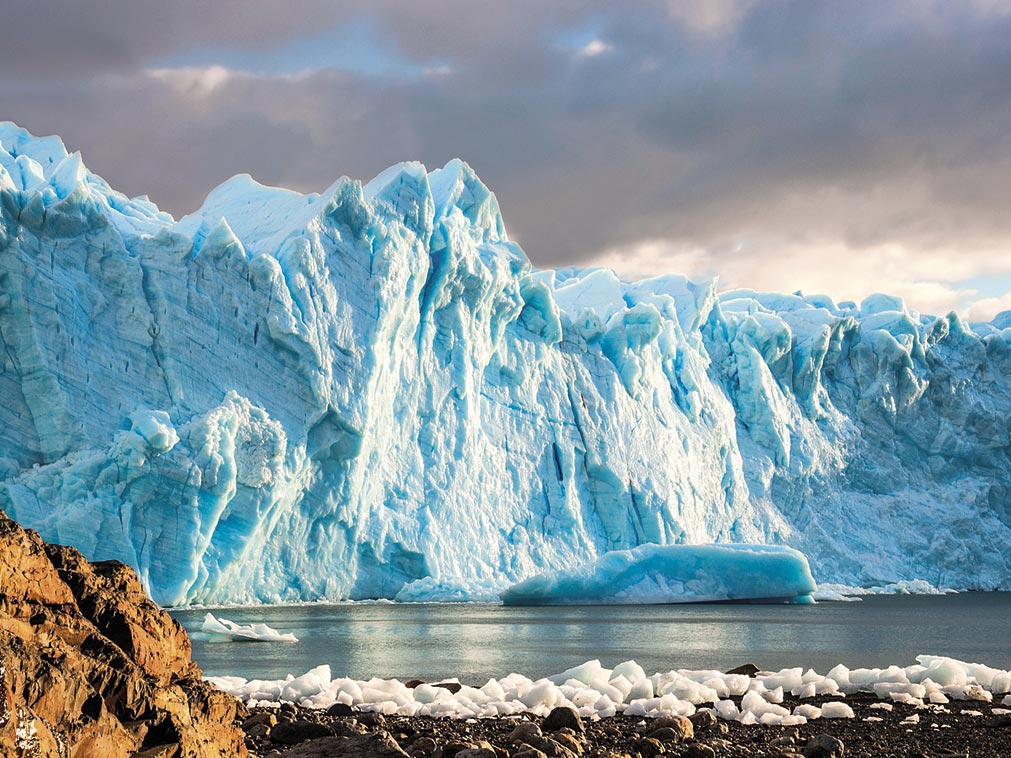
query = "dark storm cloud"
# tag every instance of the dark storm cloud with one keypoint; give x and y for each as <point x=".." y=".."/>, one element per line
<point x="859" y="123"/>
<point x="68" y="39"/>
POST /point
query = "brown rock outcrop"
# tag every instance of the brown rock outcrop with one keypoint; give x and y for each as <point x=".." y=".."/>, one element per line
<point x="90" y="668"/>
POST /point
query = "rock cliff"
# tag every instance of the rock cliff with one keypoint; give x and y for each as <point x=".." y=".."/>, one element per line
<point x="90" y="667"/>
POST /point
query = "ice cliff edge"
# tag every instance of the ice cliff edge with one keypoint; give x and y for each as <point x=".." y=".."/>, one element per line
<point x="286" y="396"/>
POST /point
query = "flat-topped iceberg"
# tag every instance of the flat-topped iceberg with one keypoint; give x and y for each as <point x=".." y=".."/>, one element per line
<point x="674" y="574"/>
<point x="244" y="632"/>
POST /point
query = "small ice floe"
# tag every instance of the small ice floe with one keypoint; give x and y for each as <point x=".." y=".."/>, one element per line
<point x="844" y="592"/>
<point x="595" y="691"/>
<point x="829" y="595"/>
<point x="244" y="632"/>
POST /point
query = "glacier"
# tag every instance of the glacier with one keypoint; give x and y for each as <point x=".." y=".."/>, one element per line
<point x="655" y="574"/>
<point x="371" y="390"/>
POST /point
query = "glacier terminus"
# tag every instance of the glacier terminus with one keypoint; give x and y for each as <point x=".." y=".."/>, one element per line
<point x="371" y="392"/>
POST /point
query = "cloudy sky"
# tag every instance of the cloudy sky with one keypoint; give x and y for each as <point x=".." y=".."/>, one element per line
<point x="834" y="147"/>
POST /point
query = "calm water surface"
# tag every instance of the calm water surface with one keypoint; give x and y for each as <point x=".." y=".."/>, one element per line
<point x="475" y="641"/>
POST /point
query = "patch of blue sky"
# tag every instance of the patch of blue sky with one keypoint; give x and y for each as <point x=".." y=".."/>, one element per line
<point x="357" y="46"/>
<point x="577" y="38"/>
<point x="991" y="284"/>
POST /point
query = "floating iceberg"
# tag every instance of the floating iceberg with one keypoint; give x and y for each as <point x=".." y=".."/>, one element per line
<point x="597" y="692"/>
<point x="244" y="632"/>
<point x="674" y="574"/>
<point x="287" y="397"/>
<point x="915" y="587"/>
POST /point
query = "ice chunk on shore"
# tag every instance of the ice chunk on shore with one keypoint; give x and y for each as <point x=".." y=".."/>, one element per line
<point x="674" y="574"/>
<point x="244" y="632"/>
<point x="596" y="691"/>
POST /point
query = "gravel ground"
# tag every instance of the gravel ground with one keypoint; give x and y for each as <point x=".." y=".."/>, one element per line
<point x="957" y="729"/>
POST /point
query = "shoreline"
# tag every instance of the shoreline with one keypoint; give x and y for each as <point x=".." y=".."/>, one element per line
<point x="829" y="592"/>
<point x="939" y="707"/>
<point x="964" y="728"/>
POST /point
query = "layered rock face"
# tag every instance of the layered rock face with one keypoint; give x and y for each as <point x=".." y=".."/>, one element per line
<point x="89" y="667"/>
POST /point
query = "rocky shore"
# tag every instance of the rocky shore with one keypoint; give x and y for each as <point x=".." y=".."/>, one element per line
<point x="967" y="729"/>
<point x="91" y="668"/>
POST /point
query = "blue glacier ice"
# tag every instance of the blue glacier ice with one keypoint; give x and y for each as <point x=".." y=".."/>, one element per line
<point x="674" y="574"/>
<point x="371" y="391"/>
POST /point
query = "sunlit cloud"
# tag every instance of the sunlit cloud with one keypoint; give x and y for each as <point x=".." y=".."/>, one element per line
<point x="836" y="148"/>
<point x="595" y="47"/>
<point x="193" y="80"/>
<point x="924" y="280"/>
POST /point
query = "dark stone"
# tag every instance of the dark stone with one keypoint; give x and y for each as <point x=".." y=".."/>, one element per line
<point x="1000" y="722"/>
<point x="371" y="719"/>
<point x="346" y="728"/>
<point x="569" y="740"/>
<point x="424" y="745"/>
<point x="414" y="683"/>
<point x="543" y="744"/>
<point x="699" y="751"/>
<point x="665" y="734"/>
<point x="453" y="687"/>
<point x="672" y="729"/>
<point x="293" y="732"/>
<point x="648" y="747"/>
<point x="528" y="751"/>
<point x="703" y="720"/>
<point x="562" y="717"/>
<point x="340" y="709"/>
<point x="748" y="669"/>
<point x="824" y="746"/>
<point x="377" y="745"/>
<point x="450" y="749"/>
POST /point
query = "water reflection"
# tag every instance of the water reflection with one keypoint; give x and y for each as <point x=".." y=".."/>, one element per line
<point x="475" y="642"/>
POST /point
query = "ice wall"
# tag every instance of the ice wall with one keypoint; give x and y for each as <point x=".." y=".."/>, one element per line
<point x="290" y="396"/>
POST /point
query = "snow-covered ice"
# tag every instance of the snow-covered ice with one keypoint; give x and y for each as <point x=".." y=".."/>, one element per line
<point x="596" y="691"/>
<point x="674" y="574"/>
<point x="244" y="632"/>
<point x="371" y="392"/>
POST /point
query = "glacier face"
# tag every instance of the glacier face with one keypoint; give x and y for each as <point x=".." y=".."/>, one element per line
<point x="286" y="396"/>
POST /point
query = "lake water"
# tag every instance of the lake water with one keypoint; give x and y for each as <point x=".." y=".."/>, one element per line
<point x="476" y="641"/>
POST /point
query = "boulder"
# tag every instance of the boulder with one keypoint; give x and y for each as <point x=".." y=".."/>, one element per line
<point x="375" y="745"/>
<point x="562" y="717"/>
<point x="824" y="746"/>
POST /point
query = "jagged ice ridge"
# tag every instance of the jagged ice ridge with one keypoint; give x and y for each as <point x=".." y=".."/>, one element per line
<point x="371" y="391"/>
